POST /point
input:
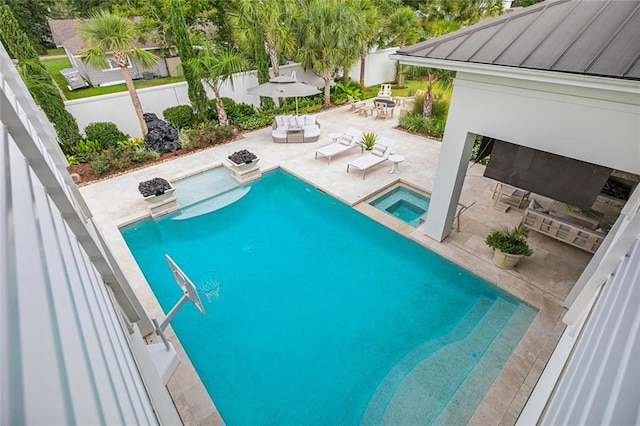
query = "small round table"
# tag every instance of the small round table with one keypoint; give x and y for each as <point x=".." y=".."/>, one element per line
<point x="387" y="102"/>
<point x="395" y="160"/>
<point x="335" y="136"/>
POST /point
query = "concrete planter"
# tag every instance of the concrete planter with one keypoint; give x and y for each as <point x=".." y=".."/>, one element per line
<point x="245" y="166"/>
<point x="154" y="199"/>
<point x="245" y="172"/>
<point x="506" y="260"/>
<point x="159" y="205"/>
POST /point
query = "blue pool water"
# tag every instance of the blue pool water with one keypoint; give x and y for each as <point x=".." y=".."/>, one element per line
<point x="318" y="315"/>
<point x="403" y="203"/>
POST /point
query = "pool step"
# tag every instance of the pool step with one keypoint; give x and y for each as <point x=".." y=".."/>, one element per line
<point x="388" y="387"/>
<point x="213" y="203"/>
<point x="203" y="186"/>
<point x="423" y="394"/>
<point x="470" y="394"/>
<point x="207" y="192"/>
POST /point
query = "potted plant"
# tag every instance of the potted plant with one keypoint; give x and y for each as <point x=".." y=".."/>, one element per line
<point x="509" y="246"/>
<point x="368" y="141"/>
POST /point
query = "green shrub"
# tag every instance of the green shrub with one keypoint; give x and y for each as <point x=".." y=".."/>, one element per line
<point x="72" y="160"/>
<point x="229" y="107"/>
<point x="224" y="132"/>
<point x="187" y="142"/>
<point x="121" y="161"/>
<point x="101" y="164"/>
<point x="416" y="123"/>
<point x="106" y="134"/>
<point x="140" y="155"/>
<point x="205" y="133"/>
<point x="244" y="110"/>
<point x="256" y="121"/>
<point x="180" y="117"/>
<point x="86" y="151"/>
<point x="350" y="88"/>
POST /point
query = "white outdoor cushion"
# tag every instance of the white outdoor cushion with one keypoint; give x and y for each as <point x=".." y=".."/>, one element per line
<point x="311" y="131"/>
<point x="292" y="120"/>
<point x="300" y="120"/>
<point x="378" y="150"/>
<point x="309" y="119"/>
<point x="279" y="121"/>
<point x="346" y="140"/>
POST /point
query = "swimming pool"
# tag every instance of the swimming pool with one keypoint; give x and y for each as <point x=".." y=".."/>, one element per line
<point x="404" y="203"/>
<point x="318" y="315"/>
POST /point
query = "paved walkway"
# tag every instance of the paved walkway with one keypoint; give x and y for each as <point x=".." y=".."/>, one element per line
<point x="542" y="280"/>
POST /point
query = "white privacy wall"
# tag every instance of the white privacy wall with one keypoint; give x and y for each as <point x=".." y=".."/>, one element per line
<point x="378" y="67"/>
<point x="66" y="321"/>
<point x="117" y="107"/>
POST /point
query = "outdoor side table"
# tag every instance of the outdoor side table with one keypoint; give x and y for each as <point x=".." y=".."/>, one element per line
<point x="295" y="134"/>
<point x="367" y="110"/>
<point x="395" y="160"/>
<point x="335" y="136"/>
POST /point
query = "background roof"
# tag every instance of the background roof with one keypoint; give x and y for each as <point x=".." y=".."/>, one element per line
<point x="594" y="37"/>
<point x="66" y="33"/>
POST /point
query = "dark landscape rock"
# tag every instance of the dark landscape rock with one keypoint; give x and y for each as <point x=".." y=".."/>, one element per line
<point x="155" y="186"/>
<point x="162" y="137"/>
<point x="242" y="156"/>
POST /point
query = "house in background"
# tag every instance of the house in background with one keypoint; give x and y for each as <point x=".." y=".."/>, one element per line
<point x="66" y="34"/>
<point x="559" y="78"/>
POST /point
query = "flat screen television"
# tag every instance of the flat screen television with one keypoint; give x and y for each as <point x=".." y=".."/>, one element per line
<point x="561" y="178"/>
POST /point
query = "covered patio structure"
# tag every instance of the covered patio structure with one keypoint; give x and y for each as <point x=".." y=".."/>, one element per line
<point x="559" y="77"/>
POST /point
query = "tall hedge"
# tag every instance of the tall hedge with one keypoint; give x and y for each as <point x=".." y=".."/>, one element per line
<point x="38" y="80"/>
<point x="197" y="94"/>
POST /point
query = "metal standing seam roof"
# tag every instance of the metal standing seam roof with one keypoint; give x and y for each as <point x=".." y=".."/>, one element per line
<point x="591" y="37"/>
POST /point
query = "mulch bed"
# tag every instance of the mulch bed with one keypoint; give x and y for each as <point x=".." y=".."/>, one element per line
<point x="87" y="176"/>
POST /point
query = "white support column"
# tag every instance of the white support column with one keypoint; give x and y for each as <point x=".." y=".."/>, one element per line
<point x="447" y="186"/>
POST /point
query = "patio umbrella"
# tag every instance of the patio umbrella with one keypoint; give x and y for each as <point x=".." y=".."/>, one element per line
<point x="284" y="87"/>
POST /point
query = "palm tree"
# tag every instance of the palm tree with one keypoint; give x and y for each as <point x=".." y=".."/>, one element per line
<point x="107" y="34"/>
<point x="328" y="33"/>
<point x="215" y="65"/>
<point x="370" y="13"/>
<point x="466" y="12"/>
<point x="274" y="19"/>
<point x="404" y="27"/>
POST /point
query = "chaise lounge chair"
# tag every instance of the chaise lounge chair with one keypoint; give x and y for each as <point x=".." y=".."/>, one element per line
<point x="379" y="154"/>
<point x="350" y="139"/>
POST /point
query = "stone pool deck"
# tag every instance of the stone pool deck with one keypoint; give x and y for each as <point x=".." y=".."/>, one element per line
<point x="542" y="280"/>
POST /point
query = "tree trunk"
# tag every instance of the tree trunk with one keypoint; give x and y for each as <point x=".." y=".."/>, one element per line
<point x="400" y="73"/>
<point x="222" y="113"/>
<point x="400" y="76"/>
<point x="345" y="75"/>
<point x="134" y="98"/>
<point x="326" y="76"/>
<point x="273" y="55"/>
<point x="428" y="99"/>
<point x="362" y="65"/>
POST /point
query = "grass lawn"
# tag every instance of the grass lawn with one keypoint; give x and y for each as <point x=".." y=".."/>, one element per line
<point x="55" y="65"/>
<point x="372" y="91"/>
<point x="53" y="52"/>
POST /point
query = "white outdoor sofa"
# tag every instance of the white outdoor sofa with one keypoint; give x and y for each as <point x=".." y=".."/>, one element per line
<point x="295" y="128"/>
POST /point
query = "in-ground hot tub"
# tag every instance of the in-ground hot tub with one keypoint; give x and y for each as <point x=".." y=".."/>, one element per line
<point x="403" y="202"/>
